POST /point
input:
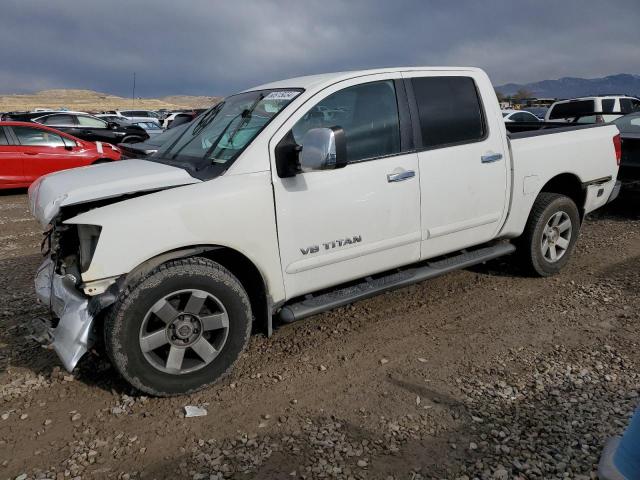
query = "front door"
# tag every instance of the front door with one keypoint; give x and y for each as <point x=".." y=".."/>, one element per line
<point x="339" y="225"/>
<point x="94" y="130"/>
<point x="463" y="160"/>
<point x="43" y="151"/>
<point x="11" y="161"/>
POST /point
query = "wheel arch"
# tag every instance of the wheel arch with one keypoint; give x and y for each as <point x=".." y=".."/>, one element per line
<point x="570" y="185"/>
<point x="249" y="275"/>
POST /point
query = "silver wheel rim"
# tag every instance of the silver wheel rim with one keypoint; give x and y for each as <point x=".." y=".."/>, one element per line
<point x="184" y="331"/>
<point x="556" y="237"/>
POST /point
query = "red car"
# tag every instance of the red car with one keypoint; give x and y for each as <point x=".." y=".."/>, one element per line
<point x="29" y="150"/>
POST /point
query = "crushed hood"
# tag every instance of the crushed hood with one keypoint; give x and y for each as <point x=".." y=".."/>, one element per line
<point x="50" y="193"/>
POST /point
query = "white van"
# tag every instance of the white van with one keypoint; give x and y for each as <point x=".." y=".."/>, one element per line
<point x="597" y="109"/>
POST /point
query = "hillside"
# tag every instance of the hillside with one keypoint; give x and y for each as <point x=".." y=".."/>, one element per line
<point x="568" y="87"/>
<point x="88" y="100"/>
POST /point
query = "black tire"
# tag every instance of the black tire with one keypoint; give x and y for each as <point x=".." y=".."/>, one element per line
<point x="531" y="243"/>
<point x="123" y="327"/>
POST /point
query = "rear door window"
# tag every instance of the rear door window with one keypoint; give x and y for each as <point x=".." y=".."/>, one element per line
<point x="578" y="108"/>
<point x="608" y="105"/>
<point x="450" y="111"/>
<point x="59" y="120"/>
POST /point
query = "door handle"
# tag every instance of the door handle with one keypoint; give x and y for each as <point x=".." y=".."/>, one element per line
<point x="490" y="157"/>
<point x="31" y="153"/>
<point x="400" y="176"/>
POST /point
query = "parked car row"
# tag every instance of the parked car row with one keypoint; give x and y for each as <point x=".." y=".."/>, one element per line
<point x="84" y="126"/>
<point x="35" y="143"/>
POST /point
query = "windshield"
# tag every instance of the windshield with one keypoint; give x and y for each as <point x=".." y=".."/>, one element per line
<point x="218" y="136"/>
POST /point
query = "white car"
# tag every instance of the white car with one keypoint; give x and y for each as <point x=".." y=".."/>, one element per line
<point x="518" y="116"/>
<point x="152" y="128"/>
<point x="299" y="196"/>
<point x="113" y="118"/>
<point x="596" y="109"/>
<point x="135" y="116"/>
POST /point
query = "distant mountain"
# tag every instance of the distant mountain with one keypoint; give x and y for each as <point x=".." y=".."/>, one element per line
<point x="569" y="87"/>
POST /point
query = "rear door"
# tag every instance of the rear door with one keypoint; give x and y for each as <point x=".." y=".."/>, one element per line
<point x="64" y="122"/>
<point x="462" y="157"/>
<point x="343" y="224"/>
<point x="11" y="161"/>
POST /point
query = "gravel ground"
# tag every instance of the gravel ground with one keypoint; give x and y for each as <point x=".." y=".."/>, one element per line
<point x="483" y="373"/>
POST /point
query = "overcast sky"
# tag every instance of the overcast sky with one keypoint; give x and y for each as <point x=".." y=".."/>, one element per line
<point x="211" y="47"/>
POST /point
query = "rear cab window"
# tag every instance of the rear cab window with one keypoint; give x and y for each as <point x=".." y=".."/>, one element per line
<point x="573" y="109"/>
<point x="629" y="105"/>
<point x="450" y="111"/>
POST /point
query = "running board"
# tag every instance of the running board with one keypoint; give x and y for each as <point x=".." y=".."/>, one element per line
<point x="369" y="287"/>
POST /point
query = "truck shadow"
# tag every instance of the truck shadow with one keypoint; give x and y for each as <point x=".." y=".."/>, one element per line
<point x="627" y="205"/>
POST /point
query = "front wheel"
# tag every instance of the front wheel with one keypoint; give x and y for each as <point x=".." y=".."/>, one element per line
<point x="550" y="234"/>
<point x="180" y="328"/>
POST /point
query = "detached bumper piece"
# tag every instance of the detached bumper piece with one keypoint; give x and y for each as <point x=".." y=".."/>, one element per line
<point x="71" y="338"/>
<point x="615" y="192"/>
<point x="620" y="458"/>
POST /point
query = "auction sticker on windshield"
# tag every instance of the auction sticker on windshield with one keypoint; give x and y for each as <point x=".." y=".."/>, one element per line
<point x="282" y="95"/>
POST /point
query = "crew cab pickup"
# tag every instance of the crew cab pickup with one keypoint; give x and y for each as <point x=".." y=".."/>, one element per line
<point x="299" y="196"/>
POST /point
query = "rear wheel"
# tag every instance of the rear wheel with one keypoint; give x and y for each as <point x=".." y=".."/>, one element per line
<point x="180" y="328"/>
<point x="550" y="235"/>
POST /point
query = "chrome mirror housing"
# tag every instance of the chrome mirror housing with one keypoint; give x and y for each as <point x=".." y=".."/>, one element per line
<point x="323" y="149"/>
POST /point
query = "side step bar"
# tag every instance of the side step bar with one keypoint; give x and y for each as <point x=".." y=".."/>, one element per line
<point x="369" y="287"/>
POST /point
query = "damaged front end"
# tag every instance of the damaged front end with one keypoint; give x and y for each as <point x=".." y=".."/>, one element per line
<point x="70" y="331"/>
<point x="54" y="200"/>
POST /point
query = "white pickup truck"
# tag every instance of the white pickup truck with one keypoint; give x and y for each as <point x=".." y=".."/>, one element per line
<point x="299" y="196"/>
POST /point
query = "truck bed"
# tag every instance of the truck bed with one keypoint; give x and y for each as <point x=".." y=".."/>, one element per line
<point x="583" y="152"/>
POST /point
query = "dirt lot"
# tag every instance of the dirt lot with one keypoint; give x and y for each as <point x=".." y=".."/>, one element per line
<point x="482" y="373"/>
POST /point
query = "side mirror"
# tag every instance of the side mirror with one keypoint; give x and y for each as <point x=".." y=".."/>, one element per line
<point x="112" y="125"/>
<point x="323" y="149"/>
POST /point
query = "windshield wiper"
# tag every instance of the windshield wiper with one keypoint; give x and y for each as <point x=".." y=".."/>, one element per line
<point x="245" y="116"/>
<point x="206" y="119"/>
<point x="246" y="113"/>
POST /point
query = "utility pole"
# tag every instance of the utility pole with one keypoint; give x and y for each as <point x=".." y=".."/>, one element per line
<point x="133" y="95"/>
